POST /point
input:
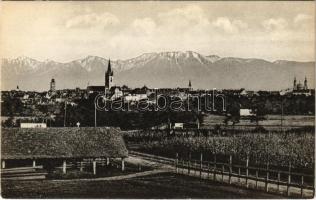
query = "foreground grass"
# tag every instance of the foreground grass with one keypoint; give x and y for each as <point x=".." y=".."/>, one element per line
<point x="165" y="185"/>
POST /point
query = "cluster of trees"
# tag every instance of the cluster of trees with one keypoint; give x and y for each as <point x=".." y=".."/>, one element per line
<point x="275" y="104"/>
<point x="84" y="112"/>
<point x="11" y="106"/>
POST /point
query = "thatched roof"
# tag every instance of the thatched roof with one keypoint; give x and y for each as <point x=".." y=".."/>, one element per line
<point x="17" y="143"/>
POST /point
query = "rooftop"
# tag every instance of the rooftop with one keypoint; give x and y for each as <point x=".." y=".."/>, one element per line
<point x="17" y="143"/>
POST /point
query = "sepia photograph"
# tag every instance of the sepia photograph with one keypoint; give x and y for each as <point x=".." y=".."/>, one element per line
<point x="157" y="99"/>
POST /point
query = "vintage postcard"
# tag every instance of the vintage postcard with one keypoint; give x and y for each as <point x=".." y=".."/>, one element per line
<point x="157" y="99"/>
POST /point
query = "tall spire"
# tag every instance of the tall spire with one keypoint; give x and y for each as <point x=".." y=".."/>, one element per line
<point x="190" y="85"/>
<point x="305" y="84"/>
<point x="109" y="76"/>
<point x="110" y="72"/>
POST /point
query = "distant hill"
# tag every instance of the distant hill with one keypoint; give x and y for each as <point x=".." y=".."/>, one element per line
<point x="165" y="69"/>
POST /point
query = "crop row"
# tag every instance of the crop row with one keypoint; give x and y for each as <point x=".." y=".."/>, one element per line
<point x="276" y="149"/>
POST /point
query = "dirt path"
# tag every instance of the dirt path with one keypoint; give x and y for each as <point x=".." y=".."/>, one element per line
<point x="158" y="168"/>
<point x="116" y="178"/>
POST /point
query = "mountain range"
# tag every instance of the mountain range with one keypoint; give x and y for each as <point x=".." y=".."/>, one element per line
<point x="155" y="70"/>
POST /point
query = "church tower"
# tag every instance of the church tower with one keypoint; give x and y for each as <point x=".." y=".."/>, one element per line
<point x="294" y="85"/>
<point x="190" y="85"/>
<point x="109" y="82"/>
<point x="305" y="84"/>
<point x="52" y="85"/>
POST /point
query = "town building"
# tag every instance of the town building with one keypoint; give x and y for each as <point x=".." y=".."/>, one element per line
<point x="108" y="84"/>
<point x="245" y="112"/>
<point x="52" y="85"/>
<point x="300" y="89"/>
<point x="32" y="125"/>
<point x="299" y="86"/>
<point x="109" y="77"/>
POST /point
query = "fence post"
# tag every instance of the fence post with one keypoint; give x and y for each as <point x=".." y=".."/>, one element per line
<point x="222" y="173"/>
<point x="94" y="165"/>
<point x="189" y="164"/>
<point x="302" y="186"/>
<point x="107" y="161"/>
<point x="214" y="174"/>
<point x="238" y="174"/>
<point x="289" y="180"/>
<point x="64" y="167"/>
<point x="81" y="166"/>
<point x="247" y="170"/>
<point x="267" y="178"/>
<point x="230" y="168"/>
<point x="257" y="177"/>
<point x="201" y="164"/>
<point x="279" y="178"/>
<point x="3" y="164"/>
<point x="176" y="163"/>
<point x="123" y="164"/>
<point x="34" y="163"/>
<point x="208" y="170"/>
<point x="195" y="170"/>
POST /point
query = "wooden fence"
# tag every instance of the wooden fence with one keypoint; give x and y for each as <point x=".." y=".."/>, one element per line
<point x="81" y="163"/>
<point x="221" y="130"/>
<point x="258" y="174"/>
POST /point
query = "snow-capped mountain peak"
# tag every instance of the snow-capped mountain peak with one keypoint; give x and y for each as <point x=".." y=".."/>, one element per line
<point x="161" y="69"/>
<point x="24" y="64"/>
<point x="89" y="62"/>
<point x="213" y="58"/>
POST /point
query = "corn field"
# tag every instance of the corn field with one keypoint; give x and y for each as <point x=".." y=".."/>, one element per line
<point x="275" y="148"/>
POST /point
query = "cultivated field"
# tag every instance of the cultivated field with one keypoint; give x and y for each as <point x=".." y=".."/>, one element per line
<point x="276" y="148"/>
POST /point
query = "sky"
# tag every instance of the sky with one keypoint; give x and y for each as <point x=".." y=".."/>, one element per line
<point x="65" y="31"/>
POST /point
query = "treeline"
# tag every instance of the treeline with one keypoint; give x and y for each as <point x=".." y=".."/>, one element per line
<point x="84" y="111"/>
<point x="274" y="104"/>
<point x="86" y="114"/>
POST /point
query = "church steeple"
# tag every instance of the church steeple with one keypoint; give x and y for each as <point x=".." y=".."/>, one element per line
<point x="305" y="84"/>
<point x="109" y="77"/>
<point x="109" y="68"/>
<point x="190" y="85"/>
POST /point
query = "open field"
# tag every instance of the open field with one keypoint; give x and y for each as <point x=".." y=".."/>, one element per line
<point x="164" y="185"/>
<point x="276" y="148"/>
